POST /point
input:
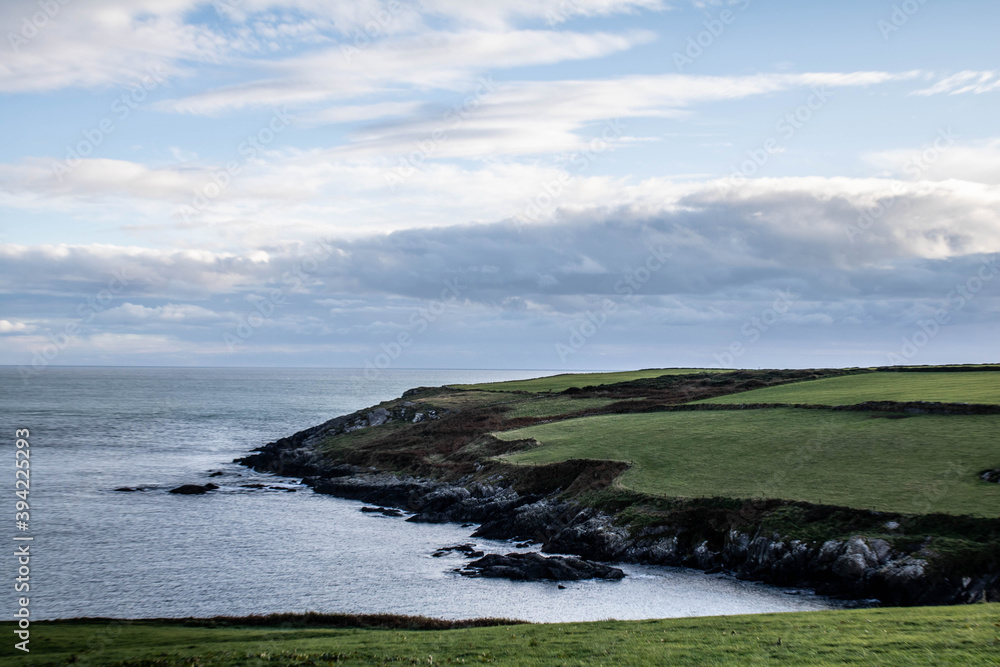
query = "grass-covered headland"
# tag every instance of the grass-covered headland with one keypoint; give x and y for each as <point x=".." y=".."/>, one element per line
<point x="966" y="635"/>
<point x="861" y="482"/>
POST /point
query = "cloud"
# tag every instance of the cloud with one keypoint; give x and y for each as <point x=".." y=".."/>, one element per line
<point x="535" y="117"/>
<point x="86" y="270"/>
<point x="133" y="345"/>
<point x="800" y="230"/>
<point x="350" y="113"/>
<point x="515" y="119"/>
<point x="171" y="313"/>
<point x="977" y="162"/>
<point x="968" y="81"/>
<point x="95" y="177"/>
<point x="116" y="42"/>
<point x="98" y="44"/>
<point x="502" y="12"/>
<point x="6" y="327"/>
<point x="684" y="267"/>
<point x="390" y="16"/>
<point x="429" y="60"/>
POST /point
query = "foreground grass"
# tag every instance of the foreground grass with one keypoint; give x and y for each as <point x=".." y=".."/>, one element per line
<point x="567" y="380"/>
<point x="918" y="464"/>
<point x="968" y="635"/>
<point x="954" y="387"/>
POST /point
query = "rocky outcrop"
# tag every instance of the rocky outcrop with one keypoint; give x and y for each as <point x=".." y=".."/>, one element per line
<point x="859" y="568"/>
<point x="384" y="511"/>
<point x="466" y="550"/>
<point x="536" y="567"/>
<point x="194" y="489"/>
<point x="298" y="454"/>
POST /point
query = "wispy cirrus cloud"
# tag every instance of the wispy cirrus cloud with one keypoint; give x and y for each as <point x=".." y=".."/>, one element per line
<point x="116" y="42"/>
<point x="107" y="43"/>
<point x="531" y="118"/>
<point x="969" y="81"/>
<point x="429" y="60"/>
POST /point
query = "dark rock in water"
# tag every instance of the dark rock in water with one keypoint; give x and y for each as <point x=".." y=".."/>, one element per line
<point x="253" y="486"/>
<point x="281" y="488"/>
<point x="192" y="489"/>
<point x="217" y="473"/>
<point x="467" y="550"/>
<point x="561" y="587"/>
<point x="384" y="511"/>
<point x="990" y="475"/>
<point x="536" y="567"/>
<point x="126" y="489"/>
<point x="522" y="545"/>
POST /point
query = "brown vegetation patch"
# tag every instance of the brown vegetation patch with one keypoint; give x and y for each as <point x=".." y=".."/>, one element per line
<point x="310" y="620"/>
<point x="571" y="477"/>
<point x="674" y="389"/>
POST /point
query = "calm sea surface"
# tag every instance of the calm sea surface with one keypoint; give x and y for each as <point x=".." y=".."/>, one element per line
<point x="98" y="552"/>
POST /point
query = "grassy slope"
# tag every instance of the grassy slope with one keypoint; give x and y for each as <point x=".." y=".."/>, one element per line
<point x="567" y="380"/>
<point x="961" y="387"/>
<point x="968" y="635"/>
<point x="919" y="464"/>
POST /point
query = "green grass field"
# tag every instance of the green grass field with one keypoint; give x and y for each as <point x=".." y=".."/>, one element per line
<point x="965" y="635"/>
<point x="567" y="380"/>
<point x="917" y="464"/>
<point x="961" y="387"/>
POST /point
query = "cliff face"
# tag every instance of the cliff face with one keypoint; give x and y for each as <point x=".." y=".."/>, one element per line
<point x="561" y="507"/>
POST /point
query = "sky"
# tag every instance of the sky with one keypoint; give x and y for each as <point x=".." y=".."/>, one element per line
<point x="525" y="184"/>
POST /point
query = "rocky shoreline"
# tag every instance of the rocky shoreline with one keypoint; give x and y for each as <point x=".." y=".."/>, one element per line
<point x="711" y="538"/>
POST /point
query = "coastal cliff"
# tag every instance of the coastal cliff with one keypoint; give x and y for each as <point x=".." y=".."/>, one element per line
<point x="573" y="507"/>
